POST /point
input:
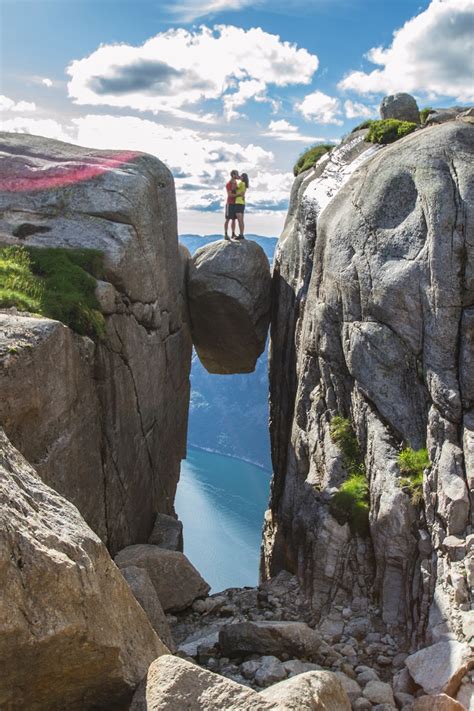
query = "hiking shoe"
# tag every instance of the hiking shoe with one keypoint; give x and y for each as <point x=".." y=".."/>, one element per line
<point x="227" y="238"/>
<point x="239" y="237"/>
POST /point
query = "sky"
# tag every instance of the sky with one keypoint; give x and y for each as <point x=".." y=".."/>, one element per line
<point x="212" y="85"/>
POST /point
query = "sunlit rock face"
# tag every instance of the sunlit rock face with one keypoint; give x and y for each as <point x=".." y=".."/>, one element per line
<point x="402" y="107"/>
<point x="104" y="423"/>
<point x="229" y="305"/>
<point x="73" y="636"/>
<point x="373" y="295"/>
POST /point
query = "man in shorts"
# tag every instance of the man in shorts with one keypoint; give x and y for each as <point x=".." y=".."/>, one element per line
<point x="231" y="188"/>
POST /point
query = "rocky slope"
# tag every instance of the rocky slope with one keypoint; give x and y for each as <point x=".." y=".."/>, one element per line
<point x="373" y="296"/>
<point x="71" y="633"/>
<point x="371" y="354"/>
<point x="104" y="423"/>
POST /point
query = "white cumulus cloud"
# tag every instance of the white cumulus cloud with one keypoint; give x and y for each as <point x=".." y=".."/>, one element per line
<point x="49" y="128"/>
<point x="321" y="108"/>
<point x="177" y="70"/>
<point x="47" y="82"/>
<point x="189" y="10"/>
<point x="433" y="54"/>
<point x="353" y="109"/>
<point x="7" y="104"/>
<point x="282" y="130"/>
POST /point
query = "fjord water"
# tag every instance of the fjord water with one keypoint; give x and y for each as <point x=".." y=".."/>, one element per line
<point x="221" y="501"/>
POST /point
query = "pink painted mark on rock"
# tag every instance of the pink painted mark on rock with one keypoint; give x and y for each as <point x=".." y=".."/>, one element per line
<point x="66" y="174"/>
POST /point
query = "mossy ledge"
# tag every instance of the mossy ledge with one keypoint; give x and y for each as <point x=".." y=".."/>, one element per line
<point x="389" y="130"/>
<point x="412" y="464"/>
<point x="310" y="157"/>
<point x="55" y="282"/>
<point x="351" y="503"/>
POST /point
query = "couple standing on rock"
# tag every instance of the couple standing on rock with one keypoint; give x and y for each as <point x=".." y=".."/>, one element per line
<point x="235" y="204"/>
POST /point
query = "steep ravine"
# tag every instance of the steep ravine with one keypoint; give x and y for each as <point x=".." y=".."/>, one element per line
<point x="371" y="331"/>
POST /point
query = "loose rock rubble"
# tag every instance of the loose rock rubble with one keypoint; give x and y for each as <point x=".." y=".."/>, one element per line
<point x="260" y="636"/>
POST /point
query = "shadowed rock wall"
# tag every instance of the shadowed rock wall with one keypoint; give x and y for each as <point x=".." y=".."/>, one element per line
<point x="373" y="292"/>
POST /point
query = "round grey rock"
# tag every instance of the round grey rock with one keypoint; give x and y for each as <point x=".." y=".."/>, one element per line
<point x="400" y="106"/>
<point x="229" y="305"/>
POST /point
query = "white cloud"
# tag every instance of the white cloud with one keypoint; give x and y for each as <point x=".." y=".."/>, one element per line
<point x="321" y="107"/>
<point x="177" y="70"/>
<point x="7" y="104"/>
<point x="284" y="131"/>
<point x="356" y="110"/>
<point x="200" y="164"/>
<point x="47" y="82"/>
<point x="433" y="54"/>
<point x="189" y="10"/>
<point x="252" y="89"/>
<point x="38" y="127"/>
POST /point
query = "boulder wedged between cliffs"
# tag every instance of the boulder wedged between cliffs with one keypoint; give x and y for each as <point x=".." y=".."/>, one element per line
<point x="229" y="305"/>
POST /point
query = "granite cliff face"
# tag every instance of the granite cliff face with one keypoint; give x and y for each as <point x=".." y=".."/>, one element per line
<point x="104" y="423"/>
<point x="373" y="303"/>
<point x="71" y="633"/>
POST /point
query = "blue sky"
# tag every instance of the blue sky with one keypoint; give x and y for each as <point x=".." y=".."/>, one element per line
<point x="211" y="85"/>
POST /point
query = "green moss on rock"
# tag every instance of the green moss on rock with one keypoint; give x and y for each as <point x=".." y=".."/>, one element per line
<point x="54" y="282"/>
<point x="310" y="157"/>
<point x="351" y="503"/>
<point x="412" y="464"/>
<point x="389" y="130"/>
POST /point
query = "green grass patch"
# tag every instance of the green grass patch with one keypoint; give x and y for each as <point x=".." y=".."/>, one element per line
<point x="351" y="503"/>
<point x="310" y="157"/>
<point x="342" y="434"/>
<point x="54" y="282"/>
<point x="389" y="130"/>
<point x="424" y="113"/>
<point x="365" y="124"/>
<point x="412" y="463"/>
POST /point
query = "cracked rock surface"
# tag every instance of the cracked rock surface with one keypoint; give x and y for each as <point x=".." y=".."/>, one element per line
<point x="104" y="423"/>
<point x="72" y="635"/>
<point x="373" y="293"/>
<point x="229" y="305"/>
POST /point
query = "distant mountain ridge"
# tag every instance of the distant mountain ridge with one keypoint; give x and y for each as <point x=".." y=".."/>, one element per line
<point x="228" y="414"/>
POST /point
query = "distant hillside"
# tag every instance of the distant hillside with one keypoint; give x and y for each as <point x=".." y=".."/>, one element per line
<point x="229" y="413"/>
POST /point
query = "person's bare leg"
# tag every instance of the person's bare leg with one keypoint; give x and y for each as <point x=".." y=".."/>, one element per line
<point x="233" y="227"/>
<point x="240" y="218"/>
<point x="226" y="228"/>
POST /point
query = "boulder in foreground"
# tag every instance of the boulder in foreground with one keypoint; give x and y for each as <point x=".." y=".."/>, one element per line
<point x="174" y="684"/>
<point x="175" y="579"/>
<point x="294" y="638"/>
<point x="315" y="691"/>
<point x="143" y="591"/>
<point x="402" y="107"/>
<point x="71" y="633"/>
<point x="229" y="303"/>
<point x="167" y="533"/>
<point x="440" y="702"/>
<point x="440" y="667"/>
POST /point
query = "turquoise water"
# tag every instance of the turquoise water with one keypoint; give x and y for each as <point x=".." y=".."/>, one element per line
<point x="221" y="502"/>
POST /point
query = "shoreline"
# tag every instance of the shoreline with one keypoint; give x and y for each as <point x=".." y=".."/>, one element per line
<point x="230" y="456"/>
